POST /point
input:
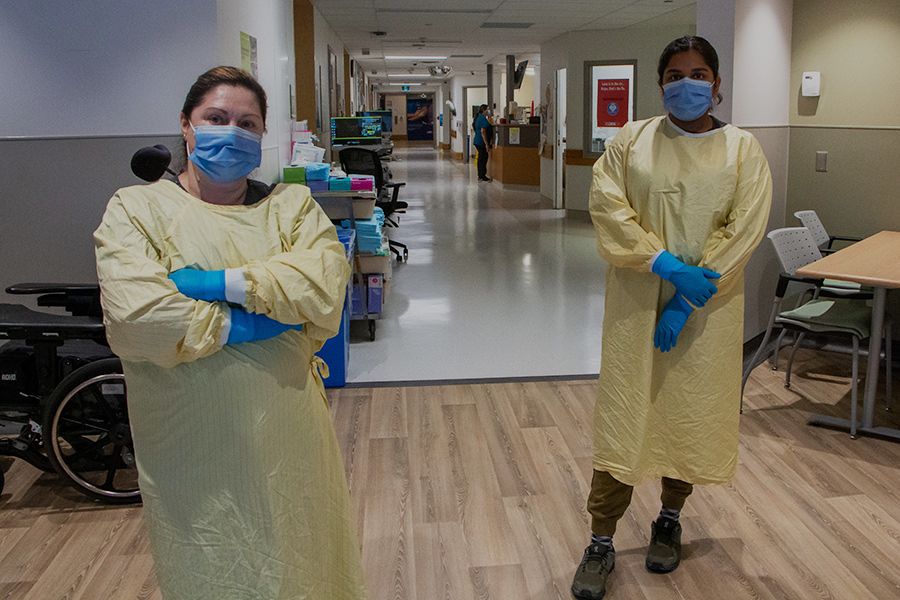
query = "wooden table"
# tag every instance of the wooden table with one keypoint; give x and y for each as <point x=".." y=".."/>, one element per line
<point x="875" y="262"/>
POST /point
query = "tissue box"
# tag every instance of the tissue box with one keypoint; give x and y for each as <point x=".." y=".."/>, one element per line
<point x="358" y="297"/>
<point x="317" y="172"/>
<point x="375" y="296"/>
<point x="362" y="183"/>
<point x="293" y="175"/>
<point x="339" y="184"/>
<point x="317" y="186"/>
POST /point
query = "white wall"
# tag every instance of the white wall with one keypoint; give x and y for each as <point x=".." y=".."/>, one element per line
<point x="325" y="38"/>
<point x="523" y="96"/>
<point x="641" y="43"/>
<point x="715" y="22"/>
<point x="762" y="63"/>
<point x="271" y="23"/>
<point x="100" y="67"/>
<point x="458" y="123"/>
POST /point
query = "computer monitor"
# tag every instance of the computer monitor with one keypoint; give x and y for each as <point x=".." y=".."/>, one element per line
<point x="355" y="130"/>
<point x="387" y="118"/>
<point x="520" y="74"/>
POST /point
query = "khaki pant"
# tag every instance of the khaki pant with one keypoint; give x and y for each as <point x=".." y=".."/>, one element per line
<point x="609" y="499"/>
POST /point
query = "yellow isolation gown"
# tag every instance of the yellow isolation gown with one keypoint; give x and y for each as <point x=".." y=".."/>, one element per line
<point x="706" y="200"/>
<point x="240" y="471"/>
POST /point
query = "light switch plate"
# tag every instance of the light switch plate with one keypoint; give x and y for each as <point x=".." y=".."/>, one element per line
<point x="821" y="161"/>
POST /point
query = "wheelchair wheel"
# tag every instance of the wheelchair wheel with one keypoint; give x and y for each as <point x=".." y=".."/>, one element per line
<point x="87" y="434"/>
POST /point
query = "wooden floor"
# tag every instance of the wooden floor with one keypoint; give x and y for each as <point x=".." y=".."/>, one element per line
<point x="478" y="491"/>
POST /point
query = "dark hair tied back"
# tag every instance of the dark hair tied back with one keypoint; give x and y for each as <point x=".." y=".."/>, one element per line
<point x="223" y="75"/>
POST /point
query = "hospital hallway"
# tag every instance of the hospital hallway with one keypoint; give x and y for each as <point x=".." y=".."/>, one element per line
<point x="498" y="284"/>
<point x="468" y="474"/>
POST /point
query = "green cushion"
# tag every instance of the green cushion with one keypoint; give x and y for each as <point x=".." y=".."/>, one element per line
<point x="831" y="316"/>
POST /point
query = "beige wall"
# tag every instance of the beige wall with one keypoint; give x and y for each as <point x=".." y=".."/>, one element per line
<point x="856" y="46"/>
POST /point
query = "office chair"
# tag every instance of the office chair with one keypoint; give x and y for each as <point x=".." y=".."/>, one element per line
<point x="361" y="161"/>
<point x="811" y="221"/>
<point x="841" y="316"/>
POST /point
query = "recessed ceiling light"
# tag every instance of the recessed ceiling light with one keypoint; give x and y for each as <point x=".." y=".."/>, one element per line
<point x="498" y="25"/>
<point x="415" y="57"/>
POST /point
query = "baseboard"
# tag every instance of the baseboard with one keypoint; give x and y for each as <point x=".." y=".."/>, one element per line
<point x="458" y="156"/>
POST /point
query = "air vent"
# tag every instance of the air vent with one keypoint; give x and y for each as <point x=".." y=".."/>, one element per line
<point x="499" y="25"/>
<point x="467" y="56"/>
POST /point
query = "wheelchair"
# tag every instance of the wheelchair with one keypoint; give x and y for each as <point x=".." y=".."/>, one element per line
<point x="63" y="401"/>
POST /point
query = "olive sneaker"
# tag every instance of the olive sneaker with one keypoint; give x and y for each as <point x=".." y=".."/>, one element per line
<point x="598" y="562"/>
<point x="664" y="553"/>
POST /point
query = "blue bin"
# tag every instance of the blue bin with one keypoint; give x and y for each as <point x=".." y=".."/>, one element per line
<point x="336" y="352"/>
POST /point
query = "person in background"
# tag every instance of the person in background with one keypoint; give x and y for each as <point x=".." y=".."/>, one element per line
<point x="216" y="294"/>
<point x="483" y="141"/>
<point x="679" y="203"/>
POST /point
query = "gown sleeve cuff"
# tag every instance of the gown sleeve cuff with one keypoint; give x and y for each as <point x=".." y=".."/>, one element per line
<point x="235" y="286"/>
<point x="652" y="261"/>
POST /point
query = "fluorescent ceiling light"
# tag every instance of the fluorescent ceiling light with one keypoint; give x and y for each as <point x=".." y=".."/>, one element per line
<point x="409" y="75"/>
<point x="398" y="83"/>
<point x="415" y="58"/>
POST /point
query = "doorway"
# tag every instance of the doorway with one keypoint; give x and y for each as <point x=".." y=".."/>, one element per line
<point x="473" y="97"/>
<point x="420" y="117"/>
<point x="559" y="195"/>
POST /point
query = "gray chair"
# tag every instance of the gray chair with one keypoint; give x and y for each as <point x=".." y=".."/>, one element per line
<point x="824" y="241"/>
<point x="848" y="317"/>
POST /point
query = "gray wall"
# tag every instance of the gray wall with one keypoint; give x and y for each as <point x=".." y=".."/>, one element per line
<point x="860" y="193"/>
<point x="54" y="194"/>
<point x="761" y="274"/>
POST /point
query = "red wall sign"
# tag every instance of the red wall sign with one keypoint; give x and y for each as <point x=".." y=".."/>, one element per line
<point x="612" y="102"/>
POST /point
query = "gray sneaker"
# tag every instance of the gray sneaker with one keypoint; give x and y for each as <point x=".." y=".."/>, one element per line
<point x="664" y="553"/>
<point x="597" y="563"/>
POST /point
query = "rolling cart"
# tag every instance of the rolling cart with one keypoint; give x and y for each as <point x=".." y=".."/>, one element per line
<point x="340" y="205"/>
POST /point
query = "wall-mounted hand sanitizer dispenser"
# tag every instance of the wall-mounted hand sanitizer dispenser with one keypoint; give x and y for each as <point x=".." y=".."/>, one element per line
<point x="812" y="81"/>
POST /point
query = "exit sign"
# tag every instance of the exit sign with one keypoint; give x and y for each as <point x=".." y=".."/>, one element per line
<point x="404" y="88"/>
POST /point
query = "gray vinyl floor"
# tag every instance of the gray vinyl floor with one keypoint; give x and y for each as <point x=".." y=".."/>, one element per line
<point x="497" y="285"/>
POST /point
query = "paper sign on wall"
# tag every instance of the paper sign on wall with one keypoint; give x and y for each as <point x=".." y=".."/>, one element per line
<point x="612" y="102"/>
<point x="249" y="58"/>
<point x="514" y="136"/>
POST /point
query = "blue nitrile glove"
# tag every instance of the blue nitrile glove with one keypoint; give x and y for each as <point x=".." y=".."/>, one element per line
<point x="691" y="282"/>
<point x="200" y="285"/>
<point x="251" y="327"/>
<point x="671" y="322"/>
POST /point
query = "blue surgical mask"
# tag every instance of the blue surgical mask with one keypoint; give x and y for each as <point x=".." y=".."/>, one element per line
<point x="688" y="99"/>
<point x="225" y="152"/>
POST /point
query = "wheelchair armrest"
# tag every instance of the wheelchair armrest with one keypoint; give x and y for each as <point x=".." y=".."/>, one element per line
<point x="394" y="184"/>
<point x="784" y="279"/>
<point x="81" y="289"/>
<point x="79" y="299"/>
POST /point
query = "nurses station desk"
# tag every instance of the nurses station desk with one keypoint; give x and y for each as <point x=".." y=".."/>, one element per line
<point x="515" y="159"/>
<point x="875" y="262"/>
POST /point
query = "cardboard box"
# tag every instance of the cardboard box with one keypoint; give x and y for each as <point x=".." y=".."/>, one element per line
<point x="375" y="293"/>
<point x="358" y="296"/>
<point x="363" y="208"/>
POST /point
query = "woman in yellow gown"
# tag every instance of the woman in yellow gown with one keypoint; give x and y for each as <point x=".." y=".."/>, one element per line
<point x="679" y="202"/>
<point x="216" y="293"/>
